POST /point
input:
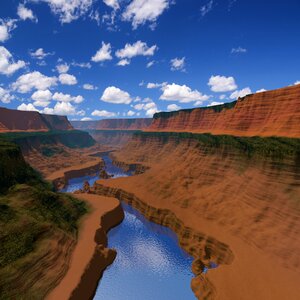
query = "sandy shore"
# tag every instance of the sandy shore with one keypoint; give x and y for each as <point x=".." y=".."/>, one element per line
<point x="105" y="214"/>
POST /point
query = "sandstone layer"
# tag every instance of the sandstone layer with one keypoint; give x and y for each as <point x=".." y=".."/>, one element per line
<point x="14" y="120"/>
<point x="271" y="113"/>
<point x="229" y="200"/>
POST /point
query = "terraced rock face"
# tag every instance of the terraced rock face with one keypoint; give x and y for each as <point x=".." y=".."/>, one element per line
<point x="113" y="124"/>
<point x="246" y="198"/>
<point x="15" y="120"/>
<point x="272" y="113"/>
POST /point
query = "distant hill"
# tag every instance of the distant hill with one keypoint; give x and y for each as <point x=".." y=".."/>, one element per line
<point x="14" y="120"/>
<point x="113" y="124"/>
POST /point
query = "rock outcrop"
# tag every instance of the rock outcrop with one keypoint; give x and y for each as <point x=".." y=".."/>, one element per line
<point x="272" y="113"/>
<point x="14" y="120"/>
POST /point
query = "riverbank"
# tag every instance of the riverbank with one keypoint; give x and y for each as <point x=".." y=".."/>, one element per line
<point x="252" y="274"/>
<point x="90" y="256"/>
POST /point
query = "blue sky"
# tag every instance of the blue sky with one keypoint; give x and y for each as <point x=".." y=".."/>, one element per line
<point x="93" y="59"/>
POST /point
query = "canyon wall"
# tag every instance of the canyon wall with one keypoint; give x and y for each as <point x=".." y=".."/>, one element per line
<point x="241" y="191"/>
<point x="113" y="124"/>
<point x="15" y="120"/>
<point x="271" y="113"/>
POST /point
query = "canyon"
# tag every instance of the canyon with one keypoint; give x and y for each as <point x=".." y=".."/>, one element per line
<point x="225" y="179"/>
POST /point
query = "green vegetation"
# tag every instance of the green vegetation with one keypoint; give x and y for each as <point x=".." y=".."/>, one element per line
<point x="31" y="213"/>
<point x="46" y="140"/>
<point x="272" y="147"/>
<point x="216" y="108"/>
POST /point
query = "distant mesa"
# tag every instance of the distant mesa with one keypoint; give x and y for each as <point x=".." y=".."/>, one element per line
<point x="113" y="124"/>
<point x="14" y="121"/>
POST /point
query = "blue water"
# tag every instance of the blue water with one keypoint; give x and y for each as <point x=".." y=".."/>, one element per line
<point x="150" y="265"/>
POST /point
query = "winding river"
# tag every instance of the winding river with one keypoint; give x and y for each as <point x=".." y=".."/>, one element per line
<point x="150" y="264"/>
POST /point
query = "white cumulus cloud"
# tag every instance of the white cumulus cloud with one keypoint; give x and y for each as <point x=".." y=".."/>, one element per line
<point x="25" y="13"/>
<point x="181" y="93"/>
<point x="112" y="3"/>
<point x="103" y="113"/>
<point x="123" y="62"/>
<point x="173" y="107"/>
<point x="138" y="12"/>
<point x="27" y="107"/>
<point x="220" y="84"/>
<point x="104" y="53"/>
<point x="115" y="95"/>
<point x="178" y="64"/>
<point x="67" y="98"/>
<point x="62" y="68"/>
<point x="34" y="80"/>
<point x="139" y="48"/>
<point x="68" y="10"/>
<point x="40" y="54"/>
<point x="89" y="87"/>
<point x="41" y="98"/>
<point x="67" y="79"/>
<point x="241" y="93"/>
<point x="7" y="64"/>
<point x="5" y="96"/>
<point x="6" y="26"/>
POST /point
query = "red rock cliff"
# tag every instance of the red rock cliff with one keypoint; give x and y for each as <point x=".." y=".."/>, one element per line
<point x="15" y="120"/>
<point x="272" y="113"/>
<point x="113" y="124"/>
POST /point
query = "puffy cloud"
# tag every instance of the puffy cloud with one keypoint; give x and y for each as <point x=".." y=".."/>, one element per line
<point x="263" y="90"/>
<point x="178" y="64"/>
<point x="62" y="68"/>
<point x="205" y="9"/>
<point x="112" y="3"/>
<point x="297" y="82"/>
<point x="173" y="107"/>
<point x="115" y="95"/>
<point x="123" y="62"/>
<point x="130" y="113"/>
<point x="40" y="54"/>
<point x="68" y="10"/>
<point x="41" y="98"/>
<point x="104" y="53"/>
<point x="137" y="49"/>
<point x="25" y="13"/>
<point x="222" y="84"/>
<point x="67" y="79"/>
<point x="148" y="106"/>
<point x="86" y="119"/>
<point x="34" y="80"/>
<point x="239" y="50"/>
<point x="214" y="103"/>
<point x="67" y="98"/>
<point x="61" y="108"/>
<point x="140" y="11"/>
<point x="7" y="65"/>
<point x="5" y="96"/>
<point x="27" y="107"/>
<point x="152" y="85"/>
<point x="103" y="113"/>
<point x="5" y="28"/>
<point x="241" y="93"/>
<point x="181" y="93"/>
<point x="89" y="87"/>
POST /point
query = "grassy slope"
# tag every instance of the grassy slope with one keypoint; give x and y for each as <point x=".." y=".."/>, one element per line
<point x="30" y="212"/>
